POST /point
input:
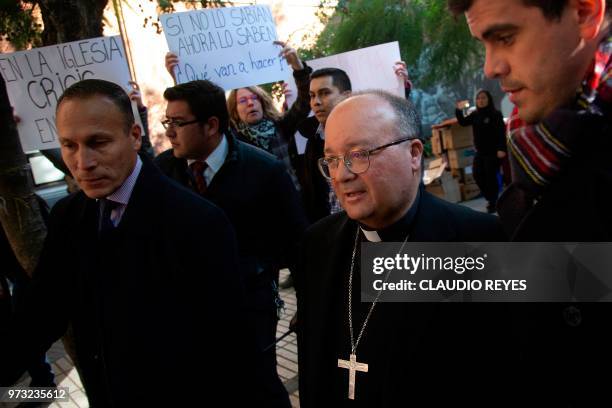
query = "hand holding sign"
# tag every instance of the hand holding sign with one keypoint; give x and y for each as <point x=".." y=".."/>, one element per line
<point x="16" y="118"/>
<point x="290" y="55"/>
<point x="401" y="70"/>
<point x="135" y="95"/>
<point x="171" y="61"/>
<point x="231" y="46"/>
<point x="462" y="104"/>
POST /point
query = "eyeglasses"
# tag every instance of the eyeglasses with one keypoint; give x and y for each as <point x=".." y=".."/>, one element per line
<point x="172" y="123"/>
<point x="245" y="99"/>
<point x="356" y="161"/>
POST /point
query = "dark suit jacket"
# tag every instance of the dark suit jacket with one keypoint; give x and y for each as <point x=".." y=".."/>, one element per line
<point x="431" y="350"/>
<point x="257" y="195"/>
<point x="315" y="189"/>
<point x="565" y="339"/>
<point x="148" y="301"/>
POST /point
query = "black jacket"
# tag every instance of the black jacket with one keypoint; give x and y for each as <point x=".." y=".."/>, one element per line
<point x="431" y="354"/>
<point x="565" y="339"/>
<point x="257" y="195"/>
<point x="147" y="301"/>
<point x="315" y="189"/>
<point x="488" y="128"/>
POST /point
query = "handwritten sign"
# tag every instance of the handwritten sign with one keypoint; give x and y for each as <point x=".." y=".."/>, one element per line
<point x="368" y="68"/>
<point x="230" y="46"/>
<point x="35" y="80"/>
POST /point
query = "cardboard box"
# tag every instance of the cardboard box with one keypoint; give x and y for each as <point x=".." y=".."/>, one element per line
<point x="461" y="158"/>
<point x="457" y="137"/>
<point x="439" y="182"/>
<point x="469" y="191"/>
<point x="436" y="142"/>
<point x="465" y="175"/>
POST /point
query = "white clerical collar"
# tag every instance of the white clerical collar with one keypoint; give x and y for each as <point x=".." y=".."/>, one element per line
<point x="371" y="236"/>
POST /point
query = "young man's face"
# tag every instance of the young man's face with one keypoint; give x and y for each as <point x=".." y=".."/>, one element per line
<point x="539" y="62"/>
<point x="323" y="96"/>
<point x="189" y="141"/>
<point x="96" y="146"/>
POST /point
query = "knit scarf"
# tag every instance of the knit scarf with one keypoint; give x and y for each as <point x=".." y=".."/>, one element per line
<point x="261" y="134"/>
<point x="539" y="153"/>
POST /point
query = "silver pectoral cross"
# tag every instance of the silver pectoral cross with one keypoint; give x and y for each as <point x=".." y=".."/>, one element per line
<point x="353" y="366"/>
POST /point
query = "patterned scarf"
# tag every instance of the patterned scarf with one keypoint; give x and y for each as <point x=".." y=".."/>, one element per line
<point x="261" y="134"/>
<point x="264" y="135"/>
<point x="539" y="152"/>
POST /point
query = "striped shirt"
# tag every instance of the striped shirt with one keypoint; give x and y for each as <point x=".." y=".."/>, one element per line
<point x="122" y="195"/>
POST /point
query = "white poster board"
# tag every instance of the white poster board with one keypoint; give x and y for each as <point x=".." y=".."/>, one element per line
<point x="368" y="68"/>
<point x="230" y="46"/>
<point x="35" y="79"/>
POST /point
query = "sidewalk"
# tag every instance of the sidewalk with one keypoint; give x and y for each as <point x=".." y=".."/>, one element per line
<point x="67" y="376"/>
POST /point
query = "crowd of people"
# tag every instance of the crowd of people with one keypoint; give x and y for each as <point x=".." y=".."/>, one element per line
<point x="166" y="269"/>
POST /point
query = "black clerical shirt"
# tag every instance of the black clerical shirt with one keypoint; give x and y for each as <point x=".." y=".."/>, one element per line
<point x="373" y="344"/>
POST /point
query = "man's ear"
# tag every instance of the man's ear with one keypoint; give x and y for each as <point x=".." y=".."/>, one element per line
<point x="591" y="14"/>
<point x="416" y="152"/>
<point x="136" y="135"/>
<point x="213" y="125"/>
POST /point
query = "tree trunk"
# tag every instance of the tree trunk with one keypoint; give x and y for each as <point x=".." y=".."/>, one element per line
<point x="71" y="20"/>
<point x="19" y="211"/>
<point x="64" y="20"/>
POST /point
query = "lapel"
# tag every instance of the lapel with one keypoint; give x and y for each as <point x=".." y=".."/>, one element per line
<point x="329" y="256"/>
<point x="338" y="250"/>
<point x="138" y="219"/>
<point x="234" y="153"/>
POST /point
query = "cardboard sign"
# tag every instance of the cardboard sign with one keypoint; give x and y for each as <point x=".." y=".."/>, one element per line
<point x="367" y="68"/>
<point x="35" y="79"/>
<point x="230" y="46"/>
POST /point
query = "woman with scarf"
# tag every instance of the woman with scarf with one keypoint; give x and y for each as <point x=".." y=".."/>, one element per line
<point x="490" y="143"/>
<point x="256" y="121"/>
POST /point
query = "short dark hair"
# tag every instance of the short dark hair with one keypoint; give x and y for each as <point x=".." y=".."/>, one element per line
<point x="408" y="122"/>
<point x="205" y="99"/>
<point x="339" y="78"/>
<point x="552" y="9"/>
<point x="88" y="88"/>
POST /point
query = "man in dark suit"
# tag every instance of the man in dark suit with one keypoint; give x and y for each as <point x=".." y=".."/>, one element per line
<point x="139" y="266"/>
<point x="373" y="158"/>
<point x="554" y="60"/>
<point x="327" y="87"/>
<point x="257" y="195"/>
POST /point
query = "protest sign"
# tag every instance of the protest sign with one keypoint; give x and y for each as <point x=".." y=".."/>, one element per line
<point x="368" y="68"/>
<point x="35" y="79"/>
<point x="230" y="46"/>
